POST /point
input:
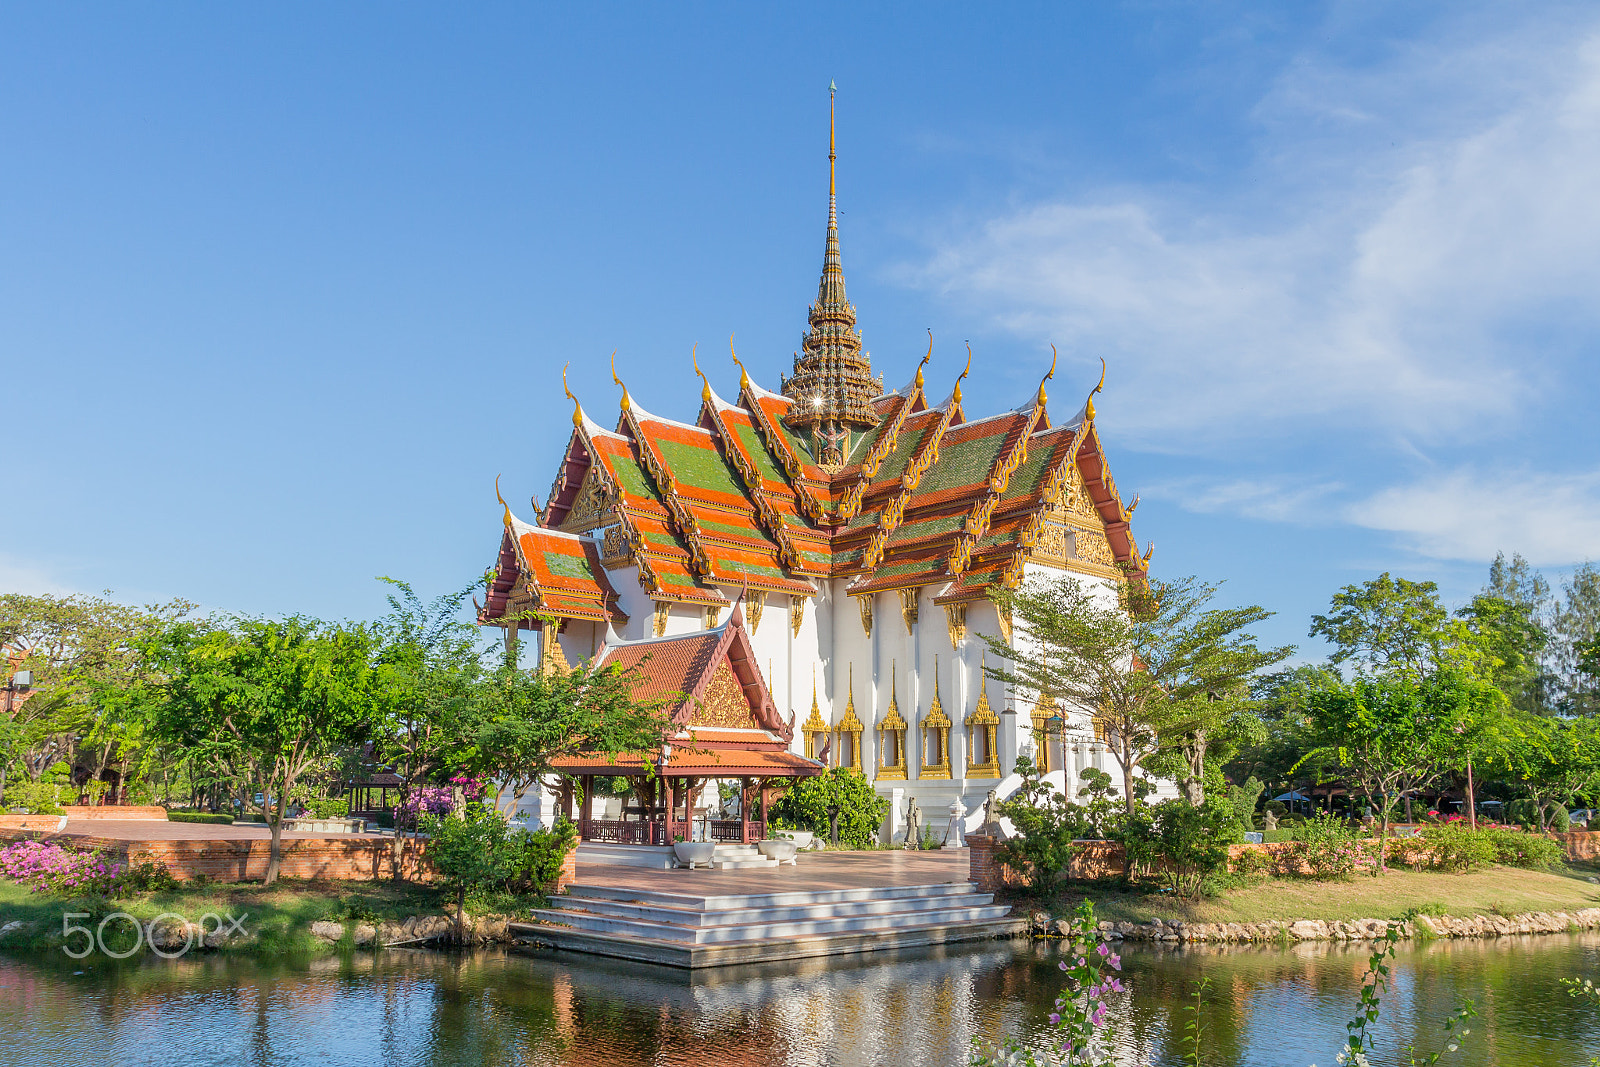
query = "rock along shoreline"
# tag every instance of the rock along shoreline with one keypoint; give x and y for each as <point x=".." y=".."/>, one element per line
<point x="1288" y="930"/>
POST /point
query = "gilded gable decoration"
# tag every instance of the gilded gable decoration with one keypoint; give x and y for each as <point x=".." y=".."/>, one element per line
<point x="797" y="614"/>
<point x="551" y="659"/>
<point x="865" y="604"/>
<point x="955" y="617"/>
<point x="724" y="704"/>
<point x="711" y="613"/>
<point x="908" y="607"/>
<point x="755" y="601"/>
<point x="663" y="610"/>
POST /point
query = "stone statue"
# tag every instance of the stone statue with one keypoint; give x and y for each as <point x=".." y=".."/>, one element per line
<point x="1269" y="820"/>
<point x="991" y="808"/>
<point x="913" y="824"/>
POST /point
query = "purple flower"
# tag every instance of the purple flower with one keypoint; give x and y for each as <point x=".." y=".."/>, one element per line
<point x="1055" y="1019"/>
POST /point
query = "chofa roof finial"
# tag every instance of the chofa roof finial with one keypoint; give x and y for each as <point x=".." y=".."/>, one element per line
<point x="577" y="408"/>
<point x="502" y="500"/>
<point x="925" y="358"/>
<point x="1088" y="405"/>
<point x="705" y="383"/>
<point x="956" y="392"/>
<point x="744" y="375"/>
<point x="1054" y="356"/>
<point x="627" y="404"/>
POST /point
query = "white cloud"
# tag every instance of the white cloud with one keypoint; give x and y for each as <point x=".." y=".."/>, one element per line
<point x="1272" y="499"/>
<point x="1470" y="514"/>
<point x="1368" y="289"/>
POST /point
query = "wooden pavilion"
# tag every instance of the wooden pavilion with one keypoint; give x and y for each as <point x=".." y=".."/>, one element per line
<point x="724" y="725"/>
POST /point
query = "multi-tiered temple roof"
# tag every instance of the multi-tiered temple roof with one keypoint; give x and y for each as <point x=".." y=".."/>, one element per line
<point x="831" y="478"/>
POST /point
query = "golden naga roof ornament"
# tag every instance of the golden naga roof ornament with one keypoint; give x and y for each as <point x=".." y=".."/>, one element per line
<point x="627" y="404"/>
<point x="577" y="408"/>
<point x="705" y="383"/>
<point x="1088" y="405"/>
<point x="1054" y="356"/>
<point x="956" y="392"/>
<point x="502" y="500"/>
<point x="925" y="358"/>
<point x="744" y="375"/>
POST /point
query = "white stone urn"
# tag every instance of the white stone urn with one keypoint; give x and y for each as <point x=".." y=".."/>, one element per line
<point x="692" y="853"/>
<point x="779" y="849"/>
<point x="801" y="838"/>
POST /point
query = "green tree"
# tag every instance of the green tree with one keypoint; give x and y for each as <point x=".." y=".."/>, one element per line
<point x="1391" y="734"/>
<point x="425" y="686"/>
<point x="1556" y="761"/>
<point x="1159" y="667"/>
<point x="531" y="718"/>
<point x="1575" y="625"/>
<point x="273" y="700"/>
<point x="805" y="805"/>
<point x="471" y="850"/>
<point x="81" y="650"/>
<point x="1386" y="625"/>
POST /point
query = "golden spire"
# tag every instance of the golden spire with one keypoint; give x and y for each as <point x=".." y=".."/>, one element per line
<point x="850" y="699"/>
<point x="956" y="392"/>
<point x="833" y="217"/>
<point x="744" y="375"/>
<point x="502" y="500"/>
<point x="577" y="408"/>
<point x="894" y="689"/>
<point x="983" y="690"/>
<point x="1088" y="405"/>
<point x="705" y="383"/>
<point x="1053" y="357"/>
<point x="816" y="711"/>
<point x="627" y="404"/>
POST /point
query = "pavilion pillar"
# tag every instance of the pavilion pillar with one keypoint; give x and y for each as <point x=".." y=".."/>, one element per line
<point x="744" y="811"/>
<point x="586" y="810"/>
<point x="666" y="785"/>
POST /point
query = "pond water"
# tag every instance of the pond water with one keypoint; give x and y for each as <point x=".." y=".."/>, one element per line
<point x="1272" y="1007"/>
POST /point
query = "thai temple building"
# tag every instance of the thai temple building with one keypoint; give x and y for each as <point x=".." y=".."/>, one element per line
<point x="833" y="547"/>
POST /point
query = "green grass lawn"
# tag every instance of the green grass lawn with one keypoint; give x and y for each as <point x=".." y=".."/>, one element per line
<point x="1507" y="890"/>
<point x="276" y="917"/>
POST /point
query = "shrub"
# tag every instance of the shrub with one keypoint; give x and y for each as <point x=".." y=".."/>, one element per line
<point x="1243" y="799"/>
<point x="861" y="810"/>
<point x="1532" y="851"/>
<point x="1252" y="862"/>
<point x="1329" y="849"/>
<point x="1453" y="849"/>
<point x="147" y="877"/>
<point x="41" y="798"/>
<point x="329" y="807"/>
<point x="1047" y="826"/>
<point x="50" y="868"/>
<point x="1558" y="822"/>
<point x="198" y="816"/>
<point x="1192" y="843"/>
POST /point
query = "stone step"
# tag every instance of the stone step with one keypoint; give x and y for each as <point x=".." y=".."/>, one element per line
<point x="678" y="916"/>
<point x="761" y="931"/>
<point x="659" y="857"/>
<point x="792" y="898"/>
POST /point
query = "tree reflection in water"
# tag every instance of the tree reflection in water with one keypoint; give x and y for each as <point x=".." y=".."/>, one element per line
<point x="1267" y="1006"/>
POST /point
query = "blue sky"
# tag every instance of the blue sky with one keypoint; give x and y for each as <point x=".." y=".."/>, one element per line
<point x="283" y="289"/>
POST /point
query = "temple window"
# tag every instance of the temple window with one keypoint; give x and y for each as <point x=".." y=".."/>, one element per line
<point x="892" y="736"/>
<point x="983" y="761"/>
<point x="935" y="735"/>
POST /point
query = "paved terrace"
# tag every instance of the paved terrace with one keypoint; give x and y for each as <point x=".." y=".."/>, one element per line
<point x="812" y="872"/>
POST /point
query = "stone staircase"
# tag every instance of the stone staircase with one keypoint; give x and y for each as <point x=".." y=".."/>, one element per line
<point x="735" y="857"/>
<point x="685" y="930"/>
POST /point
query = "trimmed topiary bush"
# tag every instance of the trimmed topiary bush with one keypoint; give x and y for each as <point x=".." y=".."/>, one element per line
<point x="199" y="816"/>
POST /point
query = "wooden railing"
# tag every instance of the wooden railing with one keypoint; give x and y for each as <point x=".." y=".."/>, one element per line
<point x="623" y="831"/>
<point x="733" y="830"/>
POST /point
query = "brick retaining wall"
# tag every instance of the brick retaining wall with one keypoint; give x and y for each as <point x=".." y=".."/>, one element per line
<point x="116" y="811"/>
<point x="240" y="860"/>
